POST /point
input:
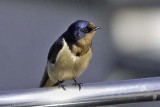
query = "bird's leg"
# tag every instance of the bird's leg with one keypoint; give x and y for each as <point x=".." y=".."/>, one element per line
<point x="62" y="86"/>
<point x="59" y="83"/>
<point x="76" y="83"/>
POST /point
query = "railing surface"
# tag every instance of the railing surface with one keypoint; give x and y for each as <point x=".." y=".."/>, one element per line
<point x="126" y="91"/>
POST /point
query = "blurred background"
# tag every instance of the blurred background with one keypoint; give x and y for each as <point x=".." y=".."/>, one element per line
<point x="127" y="46"/>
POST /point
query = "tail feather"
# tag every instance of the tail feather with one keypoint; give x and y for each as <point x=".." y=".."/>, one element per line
<point x="44" y="78"/>
<point x="46" y="82"/>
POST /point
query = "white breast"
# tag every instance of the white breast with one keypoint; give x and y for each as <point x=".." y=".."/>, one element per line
<point x="68" y="66"/>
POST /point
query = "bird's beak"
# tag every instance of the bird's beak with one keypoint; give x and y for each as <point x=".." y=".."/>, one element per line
<point x="96" y="28"/>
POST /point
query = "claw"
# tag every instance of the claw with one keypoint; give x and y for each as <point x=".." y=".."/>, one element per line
<point x="77" y="84"/>
<point x="62" y="86"/>
<point x="59" y="84"/>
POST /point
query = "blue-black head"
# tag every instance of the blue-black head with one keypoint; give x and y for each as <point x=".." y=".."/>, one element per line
<point x="79" y="29"/>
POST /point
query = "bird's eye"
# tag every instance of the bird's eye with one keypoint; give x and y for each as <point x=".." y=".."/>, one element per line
<point x="85" y="30"/>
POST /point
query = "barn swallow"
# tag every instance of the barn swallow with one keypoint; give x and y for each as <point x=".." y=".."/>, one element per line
<point x="70" y="55"/>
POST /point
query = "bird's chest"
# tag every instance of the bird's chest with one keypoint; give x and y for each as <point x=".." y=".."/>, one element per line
<point x="70" y="62"/>
<point x="68" y="65"/>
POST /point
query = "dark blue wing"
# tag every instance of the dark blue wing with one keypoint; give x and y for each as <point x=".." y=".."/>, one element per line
<point x="54" y="50"/>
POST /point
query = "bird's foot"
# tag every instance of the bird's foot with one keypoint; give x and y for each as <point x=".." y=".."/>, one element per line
<point x="62" y="86"/>
<point x="59" y="83"/>
<point x="77" y="84"/>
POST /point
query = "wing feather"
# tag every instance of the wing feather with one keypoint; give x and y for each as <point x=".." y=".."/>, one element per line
<point x="52" y="55"/>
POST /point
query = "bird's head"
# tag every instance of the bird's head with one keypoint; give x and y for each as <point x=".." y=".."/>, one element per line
<point x="81" y="32"/>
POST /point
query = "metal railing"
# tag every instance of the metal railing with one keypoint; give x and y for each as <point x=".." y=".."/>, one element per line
<point x="126" y="91"/>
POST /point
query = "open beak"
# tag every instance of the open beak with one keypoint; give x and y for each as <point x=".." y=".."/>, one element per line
<point x="96" y="28"/>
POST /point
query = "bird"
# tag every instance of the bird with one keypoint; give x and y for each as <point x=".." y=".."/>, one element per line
<point x="70" y="55"/>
